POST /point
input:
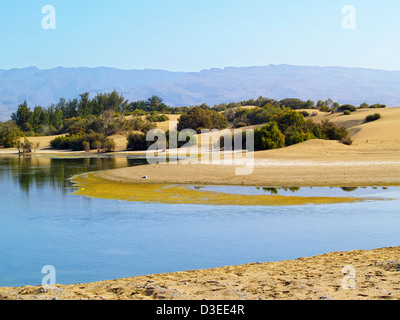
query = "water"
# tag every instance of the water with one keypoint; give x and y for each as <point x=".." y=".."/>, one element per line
<point x="89" y="240"/>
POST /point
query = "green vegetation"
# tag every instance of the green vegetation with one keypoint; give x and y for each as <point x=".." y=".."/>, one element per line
<point x="155" y="117"/>
<point x="91" y="141"/>
<point x="9" y="134"/>
<point x="268" y="137"/>
<point x="347" y="107"/>
<point x="373" y="117"/>
<point x="200" y="118"/>
<point x="138" y="141"/>
<point x="377" y="105"/>
<point x="87" y="123"/>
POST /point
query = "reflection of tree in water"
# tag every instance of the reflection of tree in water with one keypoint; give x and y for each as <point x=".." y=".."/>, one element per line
<point x="349" y="189"/>
<point x="55" y="172"/>
<point x="276" y="190"/>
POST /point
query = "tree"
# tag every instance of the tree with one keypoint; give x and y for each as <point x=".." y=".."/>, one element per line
<point x="268" y="137"/>
<point x="153" y="102"/>
<point x="55" y="116"/>
<point x="39" y="119"/>
<point x="85" y="106"/>
<point x="137" y="142"/>
<point x="23" y="115"/>
<point x="108" y="102"/>
<point x="288" y="118"/>
<point x="9" y="134"/>
<point x="349" y="107"/>
<point x="363" y="105"/>
<point x="292" y="103"/>
<point x="198" y="118"/>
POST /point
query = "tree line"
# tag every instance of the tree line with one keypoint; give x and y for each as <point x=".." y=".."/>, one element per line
<point x="83" y="119"/>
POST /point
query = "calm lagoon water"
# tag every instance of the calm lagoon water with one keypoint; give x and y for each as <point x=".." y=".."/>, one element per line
<point x="87" y="240"/>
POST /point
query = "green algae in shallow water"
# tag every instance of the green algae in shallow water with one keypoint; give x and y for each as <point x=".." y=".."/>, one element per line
<point x="92" y="186"/>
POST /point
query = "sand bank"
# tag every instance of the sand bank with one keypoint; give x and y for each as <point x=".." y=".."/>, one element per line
<point x="376" y="275"/>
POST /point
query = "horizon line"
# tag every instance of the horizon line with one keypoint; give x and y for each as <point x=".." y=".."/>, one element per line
<point x="205" y="69"/>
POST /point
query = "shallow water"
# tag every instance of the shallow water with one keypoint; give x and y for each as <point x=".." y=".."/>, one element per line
<point x="86" y="240"/>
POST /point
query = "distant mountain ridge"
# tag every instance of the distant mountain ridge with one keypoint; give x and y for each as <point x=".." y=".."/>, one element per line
<point x="211" y="86"/>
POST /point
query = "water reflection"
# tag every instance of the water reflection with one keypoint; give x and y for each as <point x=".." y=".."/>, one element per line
<point x="374" y="192"/>
<point x="276" y="190"/>
<point x="55" y="172"/>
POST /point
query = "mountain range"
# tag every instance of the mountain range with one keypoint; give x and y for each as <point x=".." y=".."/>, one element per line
<point x="212" y="86"/>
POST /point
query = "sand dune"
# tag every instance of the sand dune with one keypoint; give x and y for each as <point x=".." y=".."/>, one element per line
<point x="373" y="159"/>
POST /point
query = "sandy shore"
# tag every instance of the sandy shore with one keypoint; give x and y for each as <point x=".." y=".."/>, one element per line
<point x="376" y="275"/>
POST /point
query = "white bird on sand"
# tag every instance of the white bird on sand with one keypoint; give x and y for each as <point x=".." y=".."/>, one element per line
<point x="145" y="177"/>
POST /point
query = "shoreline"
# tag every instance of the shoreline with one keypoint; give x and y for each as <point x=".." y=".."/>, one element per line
<point x="319" y="277"/>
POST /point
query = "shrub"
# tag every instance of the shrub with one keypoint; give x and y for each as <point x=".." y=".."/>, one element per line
<point x="137" y="142"/>
<point x="86" y="146"/>
<point x="294" y="135"/>
<point x="60" y="143"/>
<point x="373" y="117"/>
<point x="82" y="142"/>
<point x="24" y="147"/>
<point x="9" y="134"/>
<point x="157" y="117"/>
<point x="349" y="107"/>
<point x="268" y="137"/>
<point x="378" y="105"/>
<point x="324" y="109"/>
<point x="347" y="141"/>
<point x="109" y="145"/>
<point x="304" y="113"/>
<point x="240" y="124"/>
<point x="199" y="117"/>
<point x="332" y="132"/>
<point x="347" y="112"/>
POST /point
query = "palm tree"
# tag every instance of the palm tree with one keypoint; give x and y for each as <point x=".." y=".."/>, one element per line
<point x="154" y="102"/>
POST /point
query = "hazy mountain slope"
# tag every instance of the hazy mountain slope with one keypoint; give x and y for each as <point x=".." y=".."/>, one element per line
<point x="345" y="85"/>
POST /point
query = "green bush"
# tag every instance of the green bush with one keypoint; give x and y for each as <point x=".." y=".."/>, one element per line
<point x="86" y="146"/>
<point x="268" y="137"/>
<point x="373" y="117"/>
<point x="199" y="117"/>
<point x="347" y="112"/>
<point x="347" y="141"/>
<point x="377" y="105"/>
<point x="324" y="109"/>
<point x="137" y="142"/>
<point x="84" y="142"/>
<point x="332" y="132"/>
<point x="240" y="124"/>
<point x="349" y="107"/>
<point x="9" y="134"/>
<point x="304" y="113"/>
<point x="157" y="117"/>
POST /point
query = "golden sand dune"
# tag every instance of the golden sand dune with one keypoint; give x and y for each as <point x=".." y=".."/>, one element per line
<point x="373" y="159"/>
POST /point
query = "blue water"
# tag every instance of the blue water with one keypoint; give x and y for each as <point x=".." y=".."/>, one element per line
<point x="89" y="240"/>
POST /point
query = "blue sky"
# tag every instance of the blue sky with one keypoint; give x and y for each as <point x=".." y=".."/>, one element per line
<point x="187" y="35"/>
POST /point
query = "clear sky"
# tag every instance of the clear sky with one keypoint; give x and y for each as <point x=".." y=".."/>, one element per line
<point x="190" y="35"/>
